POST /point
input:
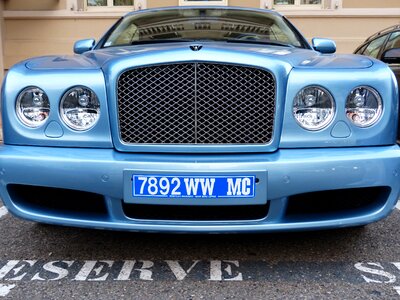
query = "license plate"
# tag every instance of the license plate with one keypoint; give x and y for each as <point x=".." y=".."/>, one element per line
<point x="162" y="186"/>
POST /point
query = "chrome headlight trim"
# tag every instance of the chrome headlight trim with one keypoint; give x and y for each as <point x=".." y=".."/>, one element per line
<point x="39" y="106"/>
<point x="355" y="99"/>
<point x="316" y="101"/>
<point x="80" y="104"/>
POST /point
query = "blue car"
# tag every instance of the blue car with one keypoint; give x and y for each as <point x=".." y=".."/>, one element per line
<point x="201" y="120"/>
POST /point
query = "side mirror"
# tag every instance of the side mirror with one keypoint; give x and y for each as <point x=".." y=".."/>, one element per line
<point x="325" y="46"/>
<point x="391" y="56"/>
<point x="83" y="46"/>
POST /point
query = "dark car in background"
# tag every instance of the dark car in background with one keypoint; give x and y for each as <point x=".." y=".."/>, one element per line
<point x="385" y="46"/>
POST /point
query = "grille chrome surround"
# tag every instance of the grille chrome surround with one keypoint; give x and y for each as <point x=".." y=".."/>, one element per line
<point x="197" y="104"/>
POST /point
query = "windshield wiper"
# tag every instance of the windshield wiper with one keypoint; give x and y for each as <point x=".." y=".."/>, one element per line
<point x="274" y="43"/>
<point x="161" y="41"/>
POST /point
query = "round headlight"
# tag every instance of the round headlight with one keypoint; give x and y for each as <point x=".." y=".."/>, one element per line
<point x="80" y="108"/>
<point x="313" y="108"/>
<point x="363" y="106"/>
<point x="33" y="107"/>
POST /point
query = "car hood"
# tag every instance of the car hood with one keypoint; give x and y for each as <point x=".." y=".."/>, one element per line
<point x="293" y="57"/>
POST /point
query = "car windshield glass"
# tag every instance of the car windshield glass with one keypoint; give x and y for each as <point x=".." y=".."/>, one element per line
<point x="211" y="24"/>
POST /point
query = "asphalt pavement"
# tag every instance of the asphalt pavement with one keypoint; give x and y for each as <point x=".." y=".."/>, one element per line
<point x="50" y="262"/>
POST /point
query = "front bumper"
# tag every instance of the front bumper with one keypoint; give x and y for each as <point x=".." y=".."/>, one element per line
<point x="290" y="172"/>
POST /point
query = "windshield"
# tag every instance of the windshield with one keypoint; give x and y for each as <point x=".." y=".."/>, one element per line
<point x="203" y="24"/>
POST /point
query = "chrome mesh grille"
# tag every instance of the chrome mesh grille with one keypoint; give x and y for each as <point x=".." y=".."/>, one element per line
<point x="196" y="103"/>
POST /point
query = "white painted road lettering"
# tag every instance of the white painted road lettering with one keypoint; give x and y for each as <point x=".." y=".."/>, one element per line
<point x="373" y="272"/>
<point x="375" y="269"/>
<point x="103" y="270"/>
<point x="17" y="269"/>
<point x="361" y="273"/>
<point x="145" y="272"/>
<point x="126" y="270"/>
<point x="94" y="271"/>
<point x="57" y="268"/>
<point x="177" y="269"/>
<point x="143" y="268"/>
<point x="3" y="211"/>
<point x="7" y="268"/>
<point x="212" y="270"/>
<point x="225" y="270"/>
<point x="5" y="289"/>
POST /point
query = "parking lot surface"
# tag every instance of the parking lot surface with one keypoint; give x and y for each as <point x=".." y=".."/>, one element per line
<point x="50" y="262"/>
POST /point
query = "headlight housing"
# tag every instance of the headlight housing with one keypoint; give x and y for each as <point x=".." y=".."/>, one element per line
<point x="80" y="108"/>
<point x="313" y="108"/>
<point x="364" y="106"/>
<point x="33" y="107"/>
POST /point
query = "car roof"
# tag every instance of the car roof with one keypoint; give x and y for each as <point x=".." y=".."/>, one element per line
<point x="203" y="7"/>
<point x="382" y="32"/>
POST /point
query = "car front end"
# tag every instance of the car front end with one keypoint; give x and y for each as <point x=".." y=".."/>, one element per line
<point x="200" y="137"/>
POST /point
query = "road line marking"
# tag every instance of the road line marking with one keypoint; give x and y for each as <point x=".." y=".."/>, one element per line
<point x="397" y="289"/>
<point x="398" y="205"/>
<point x="5" y="289"/>
<point x="3" y="211"/>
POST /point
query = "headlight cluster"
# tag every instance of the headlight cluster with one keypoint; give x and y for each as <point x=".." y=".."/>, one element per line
<point x="79" y="108"/>
<point x="363" y="106"/>
<point x="314" y="107"/>
<point x="33" y="107"/>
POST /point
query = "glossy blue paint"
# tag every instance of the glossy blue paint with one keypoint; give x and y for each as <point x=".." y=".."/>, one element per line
<point x="293" y="69"/>
<point x="339" y="83"/>
<point x="325" y="46"/>
<point x="290" y="172"/>
<point x="54" y="130"/>
<point x="341" y="130"/>
<point x="55" y="82"/>
<point x="296" y="161"/>
<point x="83" y="46"/>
